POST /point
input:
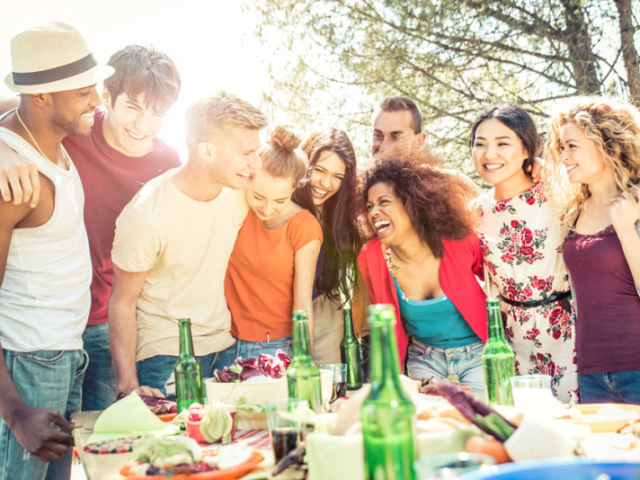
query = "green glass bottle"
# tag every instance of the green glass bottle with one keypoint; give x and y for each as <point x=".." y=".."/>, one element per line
<point x="188" y="375"/>
<point x="350" y="353"/>
<point x="388" y="414"/>
<point x="498" y="359"/>
<point x="303" y="375"/>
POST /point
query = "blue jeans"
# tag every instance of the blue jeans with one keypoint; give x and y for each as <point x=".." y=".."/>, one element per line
<point x="246" y="349"/>
<point x="466" y="362"/>
<point x="47" y="379"/>
<point x="156" y="371"/>
<point x="99" y="386"/>
<point x="616" y="387"/>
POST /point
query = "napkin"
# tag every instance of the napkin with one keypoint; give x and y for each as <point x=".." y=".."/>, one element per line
<point x="129" y="417"/>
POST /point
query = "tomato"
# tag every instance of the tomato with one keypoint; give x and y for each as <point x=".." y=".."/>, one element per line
<point x="195" y="412"/>
<point x="488" y="446"/>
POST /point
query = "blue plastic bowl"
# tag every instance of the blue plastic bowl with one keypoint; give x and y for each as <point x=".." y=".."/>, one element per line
<point x="559" y="469"/>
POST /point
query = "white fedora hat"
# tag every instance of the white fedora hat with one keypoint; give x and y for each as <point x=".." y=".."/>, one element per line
<point x="52" y="58"/>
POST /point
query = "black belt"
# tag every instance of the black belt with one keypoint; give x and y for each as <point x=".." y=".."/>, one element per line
<point x="554" y="297"/>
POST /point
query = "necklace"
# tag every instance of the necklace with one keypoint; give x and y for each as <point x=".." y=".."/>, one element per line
<point x="66" y="164"/>
<point x="387" y="257"/>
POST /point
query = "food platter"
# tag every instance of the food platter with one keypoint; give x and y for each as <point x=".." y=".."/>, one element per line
<point x="224" y="474"/>
<point x="605" y="417"/>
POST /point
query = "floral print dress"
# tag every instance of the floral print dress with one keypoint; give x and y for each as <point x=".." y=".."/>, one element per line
<point x="523" y="258"/>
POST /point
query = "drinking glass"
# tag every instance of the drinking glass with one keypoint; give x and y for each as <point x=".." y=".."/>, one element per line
<point x="532" y="393"/>
<point x="451" y="465"/>
<point x="286" y="433"/>
<point x="339" y="371"/>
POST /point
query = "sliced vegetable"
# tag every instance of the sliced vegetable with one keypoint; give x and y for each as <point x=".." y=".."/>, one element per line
<point x="478" y="413"/>
<point x="245" y="368"/>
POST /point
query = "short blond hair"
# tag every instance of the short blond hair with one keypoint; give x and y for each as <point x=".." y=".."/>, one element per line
<point x="211" y="116"/>
<point x="613" y="125"/>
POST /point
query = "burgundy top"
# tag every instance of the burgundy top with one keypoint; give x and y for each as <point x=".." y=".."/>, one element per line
<point x="110" y="179"/>
<point x="608" y="323"/>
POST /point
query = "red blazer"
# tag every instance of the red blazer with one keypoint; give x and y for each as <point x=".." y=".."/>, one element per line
<point x="461" y="263"/>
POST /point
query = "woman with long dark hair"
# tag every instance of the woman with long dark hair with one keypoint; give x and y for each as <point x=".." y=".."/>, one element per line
<point x="331" y="196"/>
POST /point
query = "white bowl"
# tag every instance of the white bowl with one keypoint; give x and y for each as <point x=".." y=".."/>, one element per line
<point x="259" y="392"/>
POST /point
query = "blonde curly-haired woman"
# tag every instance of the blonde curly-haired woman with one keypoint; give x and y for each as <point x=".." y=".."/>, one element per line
<point x="593" y="146"/>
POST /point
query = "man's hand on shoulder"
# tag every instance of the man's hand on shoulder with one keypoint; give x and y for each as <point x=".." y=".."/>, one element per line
<point x="19" y="179"/>
<point x="35" y="429"/>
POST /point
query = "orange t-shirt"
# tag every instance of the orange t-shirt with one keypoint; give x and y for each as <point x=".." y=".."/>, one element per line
<point x="259" y="281"/>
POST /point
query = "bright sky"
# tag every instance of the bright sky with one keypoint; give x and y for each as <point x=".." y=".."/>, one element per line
<point x="210" y="41"/>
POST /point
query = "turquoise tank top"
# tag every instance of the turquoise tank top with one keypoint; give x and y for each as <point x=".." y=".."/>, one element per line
<point x="435" y="322"/>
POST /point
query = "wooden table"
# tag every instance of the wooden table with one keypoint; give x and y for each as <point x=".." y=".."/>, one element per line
<point x="107" y="467"/>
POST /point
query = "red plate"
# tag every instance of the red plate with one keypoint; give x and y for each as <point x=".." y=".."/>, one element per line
<point x="226" y="474"/>
<point x="167" y="417"/>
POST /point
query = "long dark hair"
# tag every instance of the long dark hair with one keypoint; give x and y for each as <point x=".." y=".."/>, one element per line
<point x="337" y="262"/>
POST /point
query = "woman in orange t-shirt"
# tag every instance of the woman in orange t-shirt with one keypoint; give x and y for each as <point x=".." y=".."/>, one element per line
<point x="272" y="266"/>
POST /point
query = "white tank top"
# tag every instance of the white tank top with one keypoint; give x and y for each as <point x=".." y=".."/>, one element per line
<point x="44" y="297"/>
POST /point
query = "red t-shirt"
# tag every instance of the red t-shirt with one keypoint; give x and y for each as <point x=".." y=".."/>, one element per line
<point x="110" y="179"/>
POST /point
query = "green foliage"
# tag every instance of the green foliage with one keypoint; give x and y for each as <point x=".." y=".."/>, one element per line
<point x="336" y="58"/>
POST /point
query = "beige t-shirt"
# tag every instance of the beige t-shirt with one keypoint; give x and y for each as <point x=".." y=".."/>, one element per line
<point x="185" y="245"/>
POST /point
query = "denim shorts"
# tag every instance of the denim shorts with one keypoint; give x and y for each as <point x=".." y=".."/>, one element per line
<point x="48" y="379"/>
<point x="99" y="387"/>
<point x="616" y="387"/>
<point x="157" y="371"/>
<point x="245" y="349"/>
<point x="425" y="362"/>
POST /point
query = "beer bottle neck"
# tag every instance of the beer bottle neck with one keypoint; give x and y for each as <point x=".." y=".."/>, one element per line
<point x="348" y="325"/>
<point x="496" y="329"/>
<point x="301" y="342"/>
<point x="384" y="355"/>
<point x="186" y="343"/>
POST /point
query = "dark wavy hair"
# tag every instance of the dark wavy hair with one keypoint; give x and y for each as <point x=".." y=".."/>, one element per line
<point x="337" y="262"/>
<point x="434" y="200"/>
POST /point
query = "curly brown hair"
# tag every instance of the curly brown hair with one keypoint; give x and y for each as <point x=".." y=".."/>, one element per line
<point x="434" y="200"/>
<point x="613" y="125"/>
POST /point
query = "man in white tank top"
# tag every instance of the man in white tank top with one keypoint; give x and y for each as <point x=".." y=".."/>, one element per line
<point x="45" y="270"/>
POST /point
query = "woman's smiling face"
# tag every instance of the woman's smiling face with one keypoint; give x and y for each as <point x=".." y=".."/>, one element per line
<point x="326" y="177"/>
<point x="386" y="214"/>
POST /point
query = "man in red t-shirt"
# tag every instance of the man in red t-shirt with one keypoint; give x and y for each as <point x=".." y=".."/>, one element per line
<point x="121" y="154"/>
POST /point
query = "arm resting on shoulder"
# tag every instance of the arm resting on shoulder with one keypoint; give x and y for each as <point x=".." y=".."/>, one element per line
<point x="123" y="330"/>
<point x="19" y="180"/>
<point x="624" y="214"/>
<point x="304" y="275"/>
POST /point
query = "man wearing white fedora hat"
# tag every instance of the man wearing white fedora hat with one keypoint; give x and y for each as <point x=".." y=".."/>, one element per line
<point x="45" y="269"/>
<point x="122" y="153"/>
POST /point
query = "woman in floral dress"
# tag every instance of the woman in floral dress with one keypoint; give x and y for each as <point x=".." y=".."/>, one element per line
<point x="522" y="248"/>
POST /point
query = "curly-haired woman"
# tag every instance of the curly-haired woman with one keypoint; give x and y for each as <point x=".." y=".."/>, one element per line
<point x="594" y="148"/>
<point x="522" y="247"/>
<point x="424" y="261"/>
<point x="331" y="196"/>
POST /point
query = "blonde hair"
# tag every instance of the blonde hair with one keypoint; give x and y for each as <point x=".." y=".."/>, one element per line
<point x="281" y="157"/>
<point x="613" y="125"/>
<point x="212" y="116"/>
